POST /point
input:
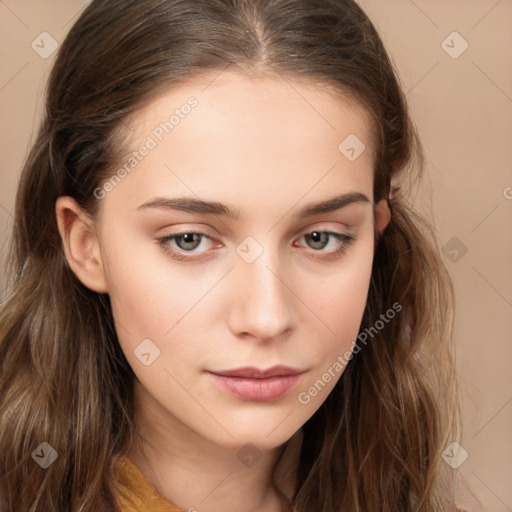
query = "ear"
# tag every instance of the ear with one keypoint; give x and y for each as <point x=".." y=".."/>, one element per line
<point x="382" y="216"/>
<point x="80" y="243"/>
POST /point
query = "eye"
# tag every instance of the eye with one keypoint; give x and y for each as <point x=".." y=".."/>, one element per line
<point x="185" y="242"/>
<point x="318" y="240"/>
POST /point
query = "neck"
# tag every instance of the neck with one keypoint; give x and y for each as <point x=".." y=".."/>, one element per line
<point x="195" y="474"/>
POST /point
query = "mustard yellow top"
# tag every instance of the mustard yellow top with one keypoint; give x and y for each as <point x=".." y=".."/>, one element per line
<point x="143" y="497"/>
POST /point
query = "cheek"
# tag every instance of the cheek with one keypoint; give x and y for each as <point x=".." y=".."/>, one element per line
<point x="344" y="302"/>
<point x="153" y="308"/>
<point x="339" y="298"/>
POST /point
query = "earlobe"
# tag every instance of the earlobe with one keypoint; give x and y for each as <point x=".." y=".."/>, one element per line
<point x="80" y="244"/>
<point x="382" y="215"/>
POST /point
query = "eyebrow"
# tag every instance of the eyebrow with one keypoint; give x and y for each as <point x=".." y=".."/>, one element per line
<point x="192" y="205"/>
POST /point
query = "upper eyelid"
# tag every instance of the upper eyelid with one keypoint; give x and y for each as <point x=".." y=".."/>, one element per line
<point x="205" y="231"/>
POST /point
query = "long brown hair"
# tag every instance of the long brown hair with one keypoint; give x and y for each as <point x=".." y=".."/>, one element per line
<point x="375" y="443"/>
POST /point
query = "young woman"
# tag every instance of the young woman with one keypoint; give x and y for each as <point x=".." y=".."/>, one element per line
<point x="220" y="298"/>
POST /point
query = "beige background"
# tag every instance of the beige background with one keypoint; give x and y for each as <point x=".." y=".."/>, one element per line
<point x="463" y="109"/>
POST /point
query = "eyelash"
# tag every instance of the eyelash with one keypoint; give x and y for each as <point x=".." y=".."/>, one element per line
<point x="346" y="242"/>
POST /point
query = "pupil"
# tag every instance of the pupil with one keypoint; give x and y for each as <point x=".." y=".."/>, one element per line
<point x="188" y="241"/>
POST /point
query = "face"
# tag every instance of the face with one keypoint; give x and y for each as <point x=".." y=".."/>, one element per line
<point x="236" y="300"/>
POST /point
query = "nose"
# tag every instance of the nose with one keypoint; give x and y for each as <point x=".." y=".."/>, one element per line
<point x="263" y="304"/>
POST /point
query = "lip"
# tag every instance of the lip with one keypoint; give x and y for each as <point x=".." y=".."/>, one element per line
<point x="255" y="384"/>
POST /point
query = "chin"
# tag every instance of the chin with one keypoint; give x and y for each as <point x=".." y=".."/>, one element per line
<point x="265" y="433"/>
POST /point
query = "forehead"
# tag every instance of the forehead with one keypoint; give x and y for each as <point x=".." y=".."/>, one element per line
<point x="232" y="134"/>
<point x="235" y="99"/>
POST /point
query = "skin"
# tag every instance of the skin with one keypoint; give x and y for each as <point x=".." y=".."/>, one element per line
<point x="268" y="149"/>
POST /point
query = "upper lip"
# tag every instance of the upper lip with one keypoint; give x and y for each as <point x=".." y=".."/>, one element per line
<point x="258" y="373"/>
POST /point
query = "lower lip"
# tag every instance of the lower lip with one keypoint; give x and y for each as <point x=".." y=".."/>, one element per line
<point x="257" y="390"/>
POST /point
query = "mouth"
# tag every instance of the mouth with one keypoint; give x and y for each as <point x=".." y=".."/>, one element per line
<point x="255" y="384"/>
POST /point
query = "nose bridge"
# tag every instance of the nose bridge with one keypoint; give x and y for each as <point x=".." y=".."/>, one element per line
<point x="264" y="304"/>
